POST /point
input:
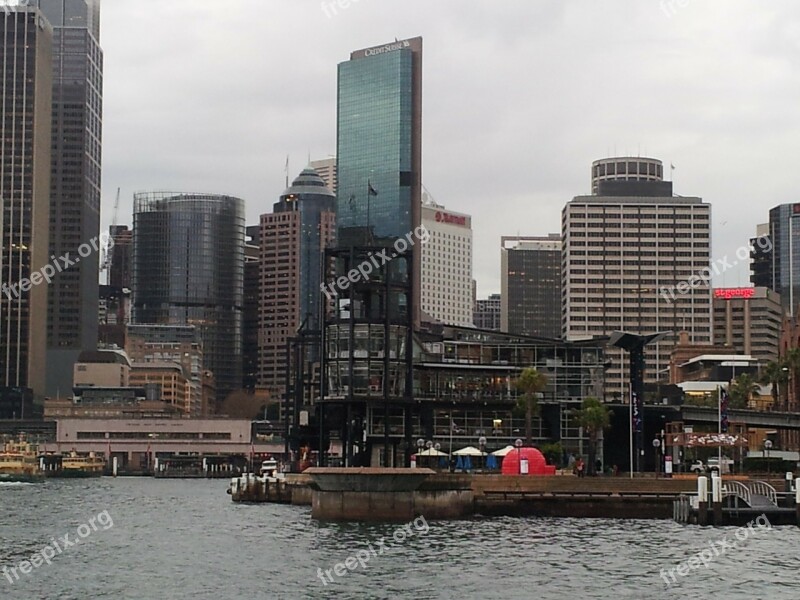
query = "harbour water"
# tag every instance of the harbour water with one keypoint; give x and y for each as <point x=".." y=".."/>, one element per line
<point x="149" y="539"/>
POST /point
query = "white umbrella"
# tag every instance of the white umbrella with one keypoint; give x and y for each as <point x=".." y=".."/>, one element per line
<point x="469" y="451"/>
<point x="431" y="452"/>
<point x="503" y="451"/>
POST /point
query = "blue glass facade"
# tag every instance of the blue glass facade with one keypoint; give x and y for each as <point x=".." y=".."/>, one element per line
<point x="378" y="132"/>
<point x="784" y="229"/>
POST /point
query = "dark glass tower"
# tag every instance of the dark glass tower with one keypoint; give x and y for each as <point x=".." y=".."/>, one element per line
<point x="784" y="252"/>
<point x="379" y="146"/>
<point x="188" y="269"/>
<point x="74" y="183"/>
<point x="25" y="63"/>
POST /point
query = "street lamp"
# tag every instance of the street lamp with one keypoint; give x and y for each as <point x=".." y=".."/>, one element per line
<point x="768" y="447"/>
<point x="656" y="445"/>
<point x="436" y="447"/>
<point x="482" y="445"/>
<point x="518" y="444"/>
<point x="420" y="446"/>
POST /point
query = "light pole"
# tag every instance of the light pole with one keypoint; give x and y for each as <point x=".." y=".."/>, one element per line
<point x="518" y="444"/>
<point x="656" y="445"/>
<point x="482" y="445"/>
<point x="436" y="447"/>
<point x="420" y="446"/>
<point x="768" y="447"/>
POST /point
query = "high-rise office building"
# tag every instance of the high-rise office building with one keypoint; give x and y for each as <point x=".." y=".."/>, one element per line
<point x="72" y="300"/>
<point x="119" y="267"/>
<point x="252" y="298"/>
<point x="530" y="286"/>
<point x="749" y="320"/>
<point x="447" y="266"/>
<point x="761" y="271"/>
<point x="25" y="136"/>
<point x="636" y="259"/>
<point x="292" y="240"/>
<point x="188" y="269"/>
<point x="326" y="168"/>
<point x="487" y="313"/>
<point x="379" y="148"/>
<point x="782" y="246"/>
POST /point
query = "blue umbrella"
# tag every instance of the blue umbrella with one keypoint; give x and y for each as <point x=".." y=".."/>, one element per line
<point x="442" y="462"/>
<point x="459" y="463"/>
<point x="467" y="463"/>
<point x="491" y="462"/>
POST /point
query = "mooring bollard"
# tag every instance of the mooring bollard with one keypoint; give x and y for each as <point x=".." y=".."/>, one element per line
<point x="702" y="497"/>
<point x="716" y="499"/>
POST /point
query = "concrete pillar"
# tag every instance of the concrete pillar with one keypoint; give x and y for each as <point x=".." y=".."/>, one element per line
<point x="702" y="495"/>
<point x="716" y="499"/>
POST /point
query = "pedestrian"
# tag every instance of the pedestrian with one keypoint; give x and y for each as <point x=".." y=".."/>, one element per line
<point x="579" y="466"/>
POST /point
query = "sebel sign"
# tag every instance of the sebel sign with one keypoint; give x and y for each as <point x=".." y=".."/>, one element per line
<point x="730" y="293"/>
<point x="387" y="48"/>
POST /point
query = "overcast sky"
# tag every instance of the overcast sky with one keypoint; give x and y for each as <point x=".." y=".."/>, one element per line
<point x="519" y="96"/>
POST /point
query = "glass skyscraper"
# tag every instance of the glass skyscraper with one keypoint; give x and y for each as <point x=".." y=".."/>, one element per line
<point x="379" y="127"/>
<point x="188" y="269"/>
<point x="72" y="298"/>
<point x="783" y="248"/>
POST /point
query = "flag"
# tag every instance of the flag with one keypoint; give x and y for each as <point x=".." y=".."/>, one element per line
<point x="636" y="405"/>
<point x="724" y="401"/>
<point x="372" y="190"/>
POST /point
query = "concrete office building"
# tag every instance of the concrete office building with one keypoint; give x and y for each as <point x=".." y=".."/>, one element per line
<point x="77" y="124"/>
<point x="26" y="56"/>
<point x="326" y="168"/>
<point x="487" y="313"/>
<point x="447" y="266"/>
<point x="530" y="285"/>
<point x="748" y="320"/>
<point x="628" y="255"/>
<point x="291" y="240"/>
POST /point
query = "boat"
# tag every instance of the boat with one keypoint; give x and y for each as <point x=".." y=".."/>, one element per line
<point x="75" y="465"/>
<point x="18" y="462"/>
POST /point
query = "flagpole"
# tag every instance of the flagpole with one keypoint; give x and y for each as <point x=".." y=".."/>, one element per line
<point x="719" y="427"/>
<point x="630" y="423"/>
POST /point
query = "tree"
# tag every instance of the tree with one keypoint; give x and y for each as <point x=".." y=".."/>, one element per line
<point x="741" y="390"/>
<point x="530" y="384"/>
<point x="594" y="417"/>
<point x="774" y="373"/>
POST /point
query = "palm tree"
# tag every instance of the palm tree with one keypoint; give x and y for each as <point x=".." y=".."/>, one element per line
<point x="530" y="384"/>
<point x="742" y="389"/>
<point x="774" y="373"/>
<point x="594" y="417"/>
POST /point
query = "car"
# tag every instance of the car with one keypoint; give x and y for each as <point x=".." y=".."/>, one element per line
<point x="713" y="465"/>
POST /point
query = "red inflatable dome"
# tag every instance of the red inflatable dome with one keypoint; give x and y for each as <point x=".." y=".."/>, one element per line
<point x="537" y="465"/>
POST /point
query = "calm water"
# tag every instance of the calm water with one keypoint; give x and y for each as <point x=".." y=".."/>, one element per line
<point x="186" y="539"/>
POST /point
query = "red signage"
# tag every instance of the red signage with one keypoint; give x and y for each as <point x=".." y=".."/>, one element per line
<point x="443" y="217"/>
<point x="730" y="293"/>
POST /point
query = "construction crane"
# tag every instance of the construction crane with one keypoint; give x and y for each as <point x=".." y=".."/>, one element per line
<point x="105" y="264"/>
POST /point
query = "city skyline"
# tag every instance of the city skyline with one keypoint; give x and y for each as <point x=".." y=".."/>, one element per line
<point x="662" y="104"/>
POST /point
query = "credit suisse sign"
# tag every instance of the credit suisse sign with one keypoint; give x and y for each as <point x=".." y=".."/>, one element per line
<point x="443" y="217"/>
<point x="730" y="293"/>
